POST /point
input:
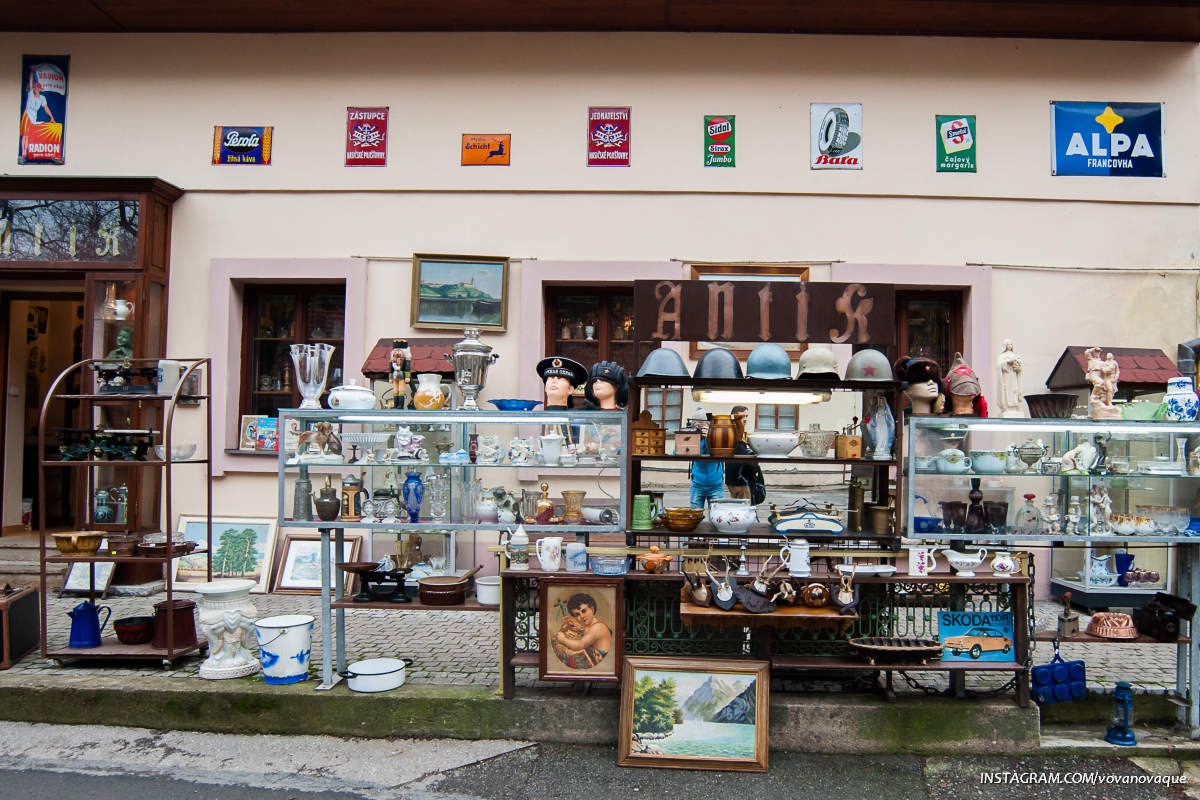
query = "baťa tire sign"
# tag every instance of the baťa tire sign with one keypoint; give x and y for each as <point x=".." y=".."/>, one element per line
<point x="836" y="135"/>
<point x="1106" y="138"/>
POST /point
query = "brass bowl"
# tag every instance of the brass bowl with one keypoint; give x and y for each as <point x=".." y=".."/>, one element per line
<point x="78" y="543"/>
<point x="682" y="520"/>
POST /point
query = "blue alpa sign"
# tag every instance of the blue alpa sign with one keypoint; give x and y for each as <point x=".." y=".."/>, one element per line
<point x="1118" y="139"/>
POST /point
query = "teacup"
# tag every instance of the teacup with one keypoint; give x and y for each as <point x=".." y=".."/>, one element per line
<point x="925" y="463"/>
<point x="953" y="462"/>
<point x="989" y="462"/>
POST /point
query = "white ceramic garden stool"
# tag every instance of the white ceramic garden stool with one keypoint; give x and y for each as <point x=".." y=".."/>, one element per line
<point x="227" y="620"/>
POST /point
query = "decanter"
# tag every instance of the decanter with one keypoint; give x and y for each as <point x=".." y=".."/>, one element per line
<point x="1028" y="519"/>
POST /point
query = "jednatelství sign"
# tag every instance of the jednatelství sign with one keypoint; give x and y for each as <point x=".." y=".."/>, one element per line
<point x="765" y="311"/>
<point x="608" y="136"/>
<point x="955" y="142"/>
<point x="1105" y="138"/>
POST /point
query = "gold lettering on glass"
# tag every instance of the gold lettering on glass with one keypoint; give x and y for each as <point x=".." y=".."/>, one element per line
<point x="667" y="292"/>
<point x="802" y="314"/>
<point x="111" y="242"/>
<point x="7" y="238"/>
<point x="71" y="248"/>
<point x="720" y="304"/>
<point x="37" y="239"/>
<point x="856" y="316"/>
<point x="764" y="313"/>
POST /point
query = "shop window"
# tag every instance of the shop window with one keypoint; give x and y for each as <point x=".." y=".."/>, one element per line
<point x="930" y="325"/>
<point x="771" y="417"/>
<point x="665" y="407"/>
<point x="275" y="320"/>
<point x="592" y="324"/>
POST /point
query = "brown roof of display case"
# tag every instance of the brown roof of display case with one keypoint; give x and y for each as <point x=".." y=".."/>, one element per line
<point x="1143" y="369"/>
<point x="427" y="355"/>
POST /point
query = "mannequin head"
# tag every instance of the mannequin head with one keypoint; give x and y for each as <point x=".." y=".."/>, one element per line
<point x="607" y="386"/>
<point x="962" y="385"/>
<point x="558" y="389"/>
<point x="921" y="380"/>
<point x="560" y="375"/>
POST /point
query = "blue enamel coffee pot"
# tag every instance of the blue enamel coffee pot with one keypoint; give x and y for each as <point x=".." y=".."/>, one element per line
<point x="86" y="624"/>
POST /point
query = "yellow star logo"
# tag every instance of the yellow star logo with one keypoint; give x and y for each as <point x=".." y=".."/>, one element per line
<point x="1110" y="119"/>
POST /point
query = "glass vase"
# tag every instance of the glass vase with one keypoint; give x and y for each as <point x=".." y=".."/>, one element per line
<point x="573" y="506"/>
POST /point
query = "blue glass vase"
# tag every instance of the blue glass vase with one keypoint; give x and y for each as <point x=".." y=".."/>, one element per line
<point x="414" y="493"/>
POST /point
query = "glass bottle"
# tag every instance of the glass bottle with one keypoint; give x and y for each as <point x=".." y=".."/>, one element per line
<point x="1029" y="519"/>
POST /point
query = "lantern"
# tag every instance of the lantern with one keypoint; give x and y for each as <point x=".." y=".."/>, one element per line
<point x="1120" y="731"/>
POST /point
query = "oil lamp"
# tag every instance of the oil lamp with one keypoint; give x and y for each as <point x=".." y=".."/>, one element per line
<point x="1120" y="731"/>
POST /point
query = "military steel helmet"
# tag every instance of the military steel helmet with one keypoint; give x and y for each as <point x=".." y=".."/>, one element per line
<point x="663" y="361"/>
<point x="817" y="362"/>
<point x="719" y="362"/>
<point x="769" y="360"/>
<point x="868" y="365"/>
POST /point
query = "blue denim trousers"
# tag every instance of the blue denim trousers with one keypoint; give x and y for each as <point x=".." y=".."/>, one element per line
<point x="702" y="493"/>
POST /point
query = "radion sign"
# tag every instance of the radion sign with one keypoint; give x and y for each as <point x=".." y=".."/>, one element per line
<point x="1103" y="138"/>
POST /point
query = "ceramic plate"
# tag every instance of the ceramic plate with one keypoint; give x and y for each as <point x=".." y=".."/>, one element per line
<point x="868" y="569"/>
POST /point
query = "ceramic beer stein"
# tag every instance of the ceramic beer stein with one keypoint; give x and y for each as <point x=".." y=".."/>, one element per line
<point x="549" y="553"/>
<point x="796" y="555"/>
<point x="575" y="555"/>
<point x="517" y="548"/>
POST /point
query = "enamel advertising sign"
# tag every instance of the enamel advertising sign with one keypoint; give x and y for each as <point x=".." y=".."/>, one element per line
<point x="242" y="144"/>
<point x="366" y="136"/>
<point x="608" y="136"/>
<point x="718" y="141"/>
<point x="955" y="142"/>
<point x="43" y="109"/>
<point x="1107" y="139"/>
<point x="836" y="137"/>
<point x="486" y="149"/>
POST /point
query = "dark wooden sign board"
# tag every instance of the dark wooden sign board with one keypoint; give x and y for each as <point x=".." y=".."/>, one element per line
<point x="765" y="311"/>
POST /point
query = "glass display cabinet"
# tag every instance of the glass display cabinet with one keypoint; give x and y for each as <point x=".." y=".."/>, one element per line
<point x="1114" y="496"/>
<point x="420" y="480"/>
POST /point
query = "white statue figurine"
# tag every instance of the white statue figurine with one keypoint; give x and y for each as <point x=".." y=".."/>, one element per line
<point x="1102" y="375"/>
<point x="1012" y="401"/>
<point x="883" y="430"/>
<point x="1099" y="511"/>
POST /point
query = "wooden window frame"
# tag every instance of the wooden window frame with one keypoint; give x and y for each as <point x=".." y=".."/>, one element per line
<point x="758" y="415"/>
<point x="663" y="406"/>
<point x="957" y="298"/>
<point x="253" y="291"/>
<point x="552" y="292"/>
<point x="766" y="272"/>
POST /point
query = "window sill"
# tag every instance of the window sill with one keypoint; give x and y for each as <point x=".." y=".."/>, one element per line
<point x="229" y="451"/>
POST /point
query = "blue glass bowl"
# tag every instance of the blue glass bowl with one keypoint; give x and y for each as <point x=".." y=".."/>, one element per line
<point x="515" y="405"/>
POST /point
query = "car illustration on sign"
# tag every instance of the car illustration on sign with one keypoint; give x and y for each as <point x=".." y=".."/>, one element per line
<point x="977" y="641"/>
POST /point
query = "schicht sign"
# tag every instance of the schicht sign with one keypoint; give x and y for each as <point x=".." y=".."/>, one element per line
<point x="765" y="311"/>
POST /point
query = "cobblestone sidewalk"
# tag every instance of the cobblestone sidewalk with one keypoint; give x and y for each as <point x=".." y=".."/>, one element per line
<point x="462" y="648"/>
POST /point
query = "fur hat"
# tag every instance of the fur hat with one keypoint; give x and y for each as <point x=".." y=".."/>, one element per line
<point x="615" y="374"/>
<point x="917" y="370"/>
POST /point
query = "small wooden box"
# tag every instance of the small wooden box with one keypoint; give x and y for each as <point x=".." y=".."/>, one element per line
<point x="19" y="625"/>
<point x="688" y="441"/>
<point x="649" y="439"/>
<point x="845" y="446"/>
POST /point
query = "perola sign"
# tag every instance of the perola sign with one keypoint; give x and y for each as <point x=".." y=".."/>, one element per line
<point x="766" y="311"/>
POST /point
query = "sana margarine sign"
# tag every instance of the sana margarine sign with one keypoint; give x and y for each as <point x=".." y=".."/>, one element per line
<point x="1112" y="139"/>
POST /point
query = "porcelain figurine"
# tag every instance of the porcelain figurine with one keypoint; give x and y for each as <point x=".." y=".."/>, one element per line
<point x="400" y="371"/>
<point x="507" y="507"/>
<point x="883" y="430"/>
<point x="318" y="445"/>
<point x="409" y="445"/>
<point x="1012" y="401"/>
<point x="1079" y="459"/>
<point x="1102" y="375"/>
<point x="962" y="386"/>
<point x="521" y="451"/>
<point x="1074" y="515"/>
<point x="560" y="375"/>
<point x="1181" y="400"/>
<point x="1050" y="515"/>
<point x="489" y="449"/>
<point x="1099" y="511"/>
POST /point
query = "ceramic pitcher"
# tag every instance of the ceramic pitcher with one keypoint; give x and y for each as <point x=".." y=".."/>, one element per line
<point x="921" y="561"/>
<point x="796" y="555"/>
<point x="722" y="436"/>
<point x="430" y="395"/>
<point x="549" y="552"/>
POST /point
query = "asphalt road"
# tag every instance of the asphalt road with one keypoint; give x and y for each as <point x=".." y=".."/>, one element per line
<point x="102" y="763"/>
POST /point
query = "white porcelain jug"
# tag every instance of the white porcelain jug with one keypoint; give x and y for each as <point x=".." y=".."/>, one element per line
<point x="921" y="561"/>
<point x="549" y="552"/>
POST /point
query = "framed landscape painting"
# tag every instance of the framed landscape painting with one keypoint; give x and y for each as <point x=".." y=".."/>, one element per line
<point x="242" y="548"/>
<point x="694" y="713"/>
<point x="459" y="291"/>
<point x="581" y="628"/>
<point x="300" y="562"/>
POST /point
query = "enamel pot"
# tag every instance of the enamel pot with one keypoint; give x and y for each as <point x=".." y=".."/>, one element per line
<point x="376" y="674"/>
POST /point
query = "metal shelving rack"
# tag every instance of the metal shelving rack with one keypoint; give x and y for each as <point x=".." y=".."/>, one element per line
<point x="110" y="647"/>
